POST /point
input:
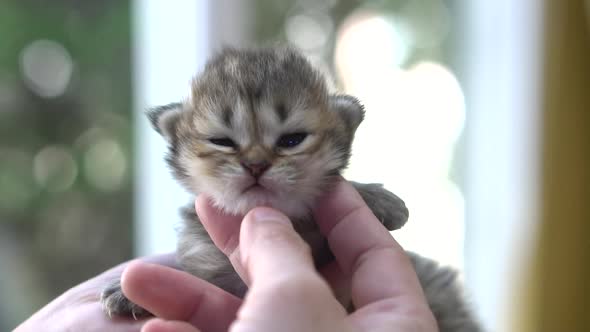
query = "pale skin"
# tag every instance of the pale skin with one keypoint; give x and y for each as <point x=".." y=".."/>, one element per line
<point x="286" y="293"/>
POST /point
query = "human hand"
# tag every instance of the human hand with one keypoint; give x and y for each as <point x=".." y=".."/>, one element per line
<point x="286" y="293"/>
<point x="79" y="308"/>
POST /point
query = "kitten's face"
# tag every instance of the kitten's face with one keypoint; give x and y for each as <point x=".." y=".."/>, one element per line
<point x="259" y="129"/>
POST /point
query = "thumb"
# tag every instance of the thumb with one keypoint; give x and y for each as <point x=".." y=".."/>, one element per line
<point x="270" y="246"/>
<point x="283" y="280"/>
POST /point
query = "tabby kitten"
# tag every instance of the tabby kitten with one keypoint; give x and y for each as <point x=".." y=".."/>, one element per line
<point x="261" y="128"/>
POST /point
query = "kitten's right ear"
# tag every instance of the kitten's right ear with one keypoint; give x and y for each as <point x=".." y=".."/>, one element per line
<point x="165" y="118"/>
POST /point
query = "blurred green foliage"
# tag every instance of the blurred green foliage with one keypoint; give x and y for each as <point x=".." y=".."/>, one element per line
<point x="65" y="160"/>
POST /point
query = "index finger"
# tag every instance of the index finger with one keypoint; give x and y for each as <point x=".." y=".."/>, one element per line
<point x="364" y="249"/>
<point x="176" y="295"/>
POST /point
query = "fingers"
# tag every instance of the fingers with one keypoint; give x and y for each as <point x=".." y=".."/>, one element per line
<point x="226" y="231"/>
<point x="283" y="280"/>
<point x="159" y="325"/>
<point x="270" y="246"/>
<point x="223" y="229"/>
<point x="339" y="282"/>
<point x="364" y="249"/>
<point x="115" y="272"/>
<point x="285" y="290"/>
<point x="278" y="267"/>
<point x="179" y="296"/>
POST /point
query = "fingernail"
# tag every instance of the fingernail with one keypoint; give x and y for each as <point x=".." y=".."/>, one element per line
<point x="269" y="215"/>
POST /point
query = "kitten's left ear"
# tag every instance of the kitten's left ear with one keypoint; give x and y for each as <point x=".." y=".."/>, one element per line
<point x="165" y="118"/>
<point x="349" y="108"/>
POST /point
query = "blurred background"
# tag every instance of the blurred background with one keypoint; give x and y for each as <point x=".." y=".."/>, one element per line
<point x="477" y="116"/>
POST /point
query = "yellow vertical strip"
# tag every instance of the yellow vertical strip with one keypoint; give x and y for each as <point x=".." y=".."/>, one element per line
<point x="558" y="294"/>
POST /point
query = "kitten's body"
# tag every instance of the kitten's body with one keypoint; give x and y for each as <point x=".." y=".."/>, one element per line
<point x="261" y="128"/>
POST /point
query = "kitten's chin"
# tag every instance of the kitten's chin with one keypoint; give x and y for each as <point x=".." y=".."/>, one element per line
<point x="242" y="203"/>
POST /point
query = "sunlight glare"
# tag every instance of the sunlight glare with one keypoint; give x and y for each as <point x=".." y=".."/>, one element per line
<point x="413" y="120"/>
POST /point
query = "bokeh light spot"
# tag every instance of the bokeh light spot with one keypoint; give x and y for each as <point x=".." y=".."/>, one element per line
<point x="105" y="164"/>
<point x="444" y="105"/>
<point x="371" y="39"/>
<point x="308" y="32"/>
<point x="46" y="67"/>
<point x="89" y="137"/>
<point x="54" y="168"/>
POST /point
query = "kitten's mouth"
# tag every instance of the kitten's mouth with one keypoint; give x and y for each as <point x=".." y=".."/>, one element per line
<point x="255" y="188"/>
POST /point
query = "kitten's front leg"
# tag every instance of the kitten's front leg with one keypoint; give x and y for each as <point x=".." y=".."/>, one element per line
<point x="115" y="303"/>
<point x="198" y="255"/>
<point x="387" y="207"/>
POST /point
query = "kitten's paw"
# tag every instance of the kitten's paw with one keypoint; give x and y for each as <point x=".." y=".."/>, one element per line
<point x="387" y="207"/>
<point x="114" y="303"/>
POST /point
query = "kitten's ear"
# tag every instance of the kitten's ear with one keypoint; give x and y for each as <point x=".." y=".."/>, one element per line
<point x="165" y="118"/>
<point x="349" y="108"/>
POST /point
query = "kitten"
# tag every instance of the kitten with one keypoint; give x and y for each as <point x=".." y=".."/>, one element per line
<point x="260" y="127"/>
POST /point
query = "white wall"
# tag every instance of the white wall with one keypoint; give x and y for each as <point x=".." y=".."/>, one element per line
<point x="170" y="45"/>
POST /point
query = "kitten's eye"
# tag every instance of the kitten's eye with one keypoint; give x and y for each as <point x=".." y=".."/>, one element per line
<point x="291" y="140"/>
<point x="224" y="141"/>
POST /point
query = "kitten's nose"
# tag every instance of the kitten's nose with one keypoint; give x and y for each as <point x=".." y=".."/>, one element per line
<point x="256" y="169"/>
